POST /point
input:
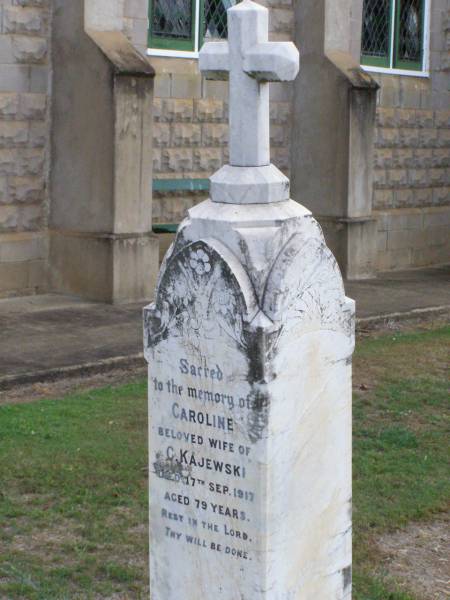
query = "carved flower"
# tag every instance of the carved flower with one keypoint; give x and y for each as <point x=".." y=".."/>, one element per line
<point x="178" y="292"/>
<point x="223" y="299"/>
<point x="199" y="261"/>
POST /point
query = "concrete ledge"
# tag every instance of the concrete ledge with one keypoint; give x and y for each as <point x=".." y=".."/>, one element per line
<point x="90" y="368"/>
<point x="133" y="361"/>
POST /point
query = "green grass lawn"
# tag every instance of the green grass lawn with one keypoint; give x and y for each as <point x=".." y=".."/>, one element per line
<point x="73" y="497"/>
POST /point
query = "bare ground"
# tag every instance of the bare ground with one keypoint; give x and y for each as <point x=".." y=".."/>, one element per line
<point x="418" y="557"/>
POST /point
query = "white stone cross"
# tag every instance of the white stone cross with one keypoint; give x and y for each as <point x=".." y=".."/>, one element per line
<point x="250" y="62"/>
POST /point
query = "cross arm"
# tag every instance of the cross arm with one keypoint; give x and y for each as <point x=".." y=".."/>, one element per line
<point x="214" y="60"/>
<point x="272" y="61"/>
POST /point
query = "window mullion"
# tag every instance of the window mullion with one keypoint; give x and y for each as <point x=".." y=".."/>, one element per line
<point x="393" y="30"/>
<point x="198" y="17"/>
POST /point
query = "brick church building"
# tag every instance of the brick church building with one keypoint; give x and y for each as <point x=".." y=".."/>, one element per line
<point x="87" y="204"/>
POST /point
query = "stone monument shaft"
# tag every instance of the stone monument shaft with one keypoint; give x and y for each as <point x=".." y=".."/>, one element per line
<point x="249" y="344"/>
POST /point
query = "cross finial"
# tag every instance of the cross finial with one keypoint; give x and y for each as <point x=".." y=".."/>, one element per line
<point x="250" y="62"/>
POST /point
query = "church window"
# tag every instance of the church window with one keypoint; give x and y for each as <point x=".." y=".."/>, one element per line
<point x="394" y="34"/>
<point x="182" y="26"/>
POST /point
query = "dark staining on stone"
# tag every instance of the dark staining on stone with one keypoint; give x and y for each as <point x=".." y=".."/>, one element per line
<point x="154" y="327"/>
<point x="169" y="468"/>
<point x="258" y="415"/>
<point x="347" y="577"/>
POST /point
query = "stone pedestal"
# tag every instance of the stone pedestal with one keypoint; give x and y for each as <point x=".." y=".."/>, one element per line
<point x="249" y="347"/>
<point x="249" y="344"/>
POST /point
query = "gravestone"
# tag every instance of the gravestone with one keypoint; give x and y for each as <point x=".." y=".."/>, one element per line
<point x="249" y="344"/>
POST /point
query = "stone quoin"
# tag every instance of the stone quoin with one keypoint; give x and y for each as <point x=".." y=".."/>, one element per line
<point x="249" y="344"/>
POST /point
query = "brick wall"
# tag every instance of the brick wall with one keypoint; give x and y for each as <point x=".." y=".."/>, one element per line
<point x="24" y="134"/>
<point x="191" y="122"/>
<point x="412" y="159"/>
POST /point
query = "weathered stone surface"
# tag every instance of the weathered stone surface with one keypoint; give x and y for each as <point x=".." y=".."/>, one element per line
<point x="252" y="301"/>
<point x="249" y="345"/>
<point x="249" y="185"/>
<point x="248" y="53"/>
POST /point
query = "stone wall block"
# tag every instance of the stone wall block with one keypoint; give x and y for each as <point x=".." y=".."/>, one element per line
<point x="405" y="117"/>
<point x="441" y="195"/>
<point x="394" y="259"/>
<point x="26" y="189"/>
<point x="441" y="157"/>
<point x="209" y="110"/>
<point x="410" y="238"/>
<point x="387" y="137"/>
<point x="409" y="137"/>
<point x="161" y="134"/>
<point x="21" y="218"/>
<point x="7" y="161"/>
<point x="9" y="105"/>
<point x="189" y="134"/>
<point x="390" y="93"/>
<point x="22" y="161"/>
<point x="383" y="157"/>
<point x="181" y="110"/>
<point x="418" y="177"/>
<point x="157" y="109"/>
<point x="3" y="190"/>
<point x="382" y="240"/>
<point x="383" y="199"/>
<point x="429" y="137"/>
<point x="425" y="118"/>
<point x="178" y="160"/>
<point x="386" y="117"/>
<point x="23" y="20"/>
<point x="163" y="85"/>
<point x="438" y="176"/>
<point x="186" y="86"/>
<point x="33" y="106"/>
<point x="403" y="198"/>
<point x="380" y="178"/>
<point x="39" y="80"/>
<point x="157" y="161"/>
<point x="208" y="159"/>
<point x="403" y="157"/>
<point x="443" y="139"/>
<point x="423" y="157"/>
<point x="278" y="135"/>
<point x="38" y="134"/>
<point x="14" y="78"/>
<point x="30" y="50"/>
<point x="404" y="220"/>
<point x="442" y="118"/>
<point x="282" y="158"/>
<point x="423" y="196"/>
<point x="280" y="112"/>
<point x="32" y="3"/>
<point x="282" y="21"/>
<point x="397" y="177"/>
<point x="135" y="9"/>
<point x="214" y="134"/>
<point x="13" y="133"/>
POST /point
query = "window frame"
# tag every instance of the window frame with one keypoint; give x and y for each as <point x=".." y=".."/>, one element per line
<point x="392" y="65"/>
<point x="171" y="48"/>
<point x="171" y="44"/>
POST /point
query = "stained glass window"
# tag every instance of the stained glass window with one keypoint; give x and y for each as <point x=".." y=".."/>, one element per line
<point x="393" y="34"/>
<point x="410" y="31"/>
<point x="186" y="24"/>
